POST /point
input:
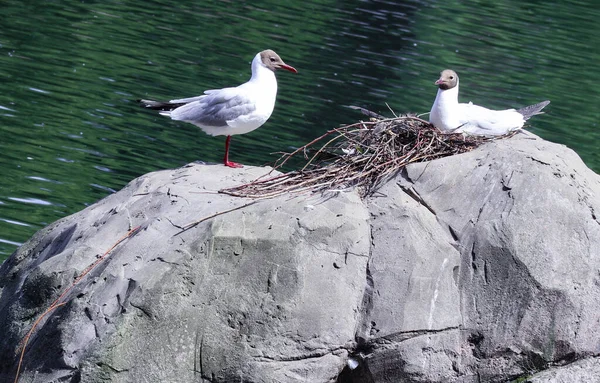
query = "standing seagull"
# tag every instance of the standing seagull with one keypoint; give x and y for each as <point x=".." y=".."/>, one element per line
<point x="450" y="116"/>
<point x="229" y="111"/>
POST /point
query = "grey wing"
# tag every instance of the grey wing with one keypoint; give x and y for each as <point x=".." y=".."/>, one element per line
<point x="187" y="100"/>
<point x="215" y="108"/>
<point x="197" y="98"/>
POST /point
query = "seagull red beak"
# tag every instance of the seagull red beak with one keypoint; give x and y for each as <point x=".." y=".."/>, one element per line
<point x="438" y="82"/>
<point x="287" y="67"/>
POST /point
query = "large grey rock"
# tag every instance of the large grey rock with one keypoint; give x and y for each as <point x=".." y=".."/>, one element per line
<point x="582" y="371"/>
<point x="481" y="267"/>
<point x="524" y="213"/>
<point x="263" y="294"/>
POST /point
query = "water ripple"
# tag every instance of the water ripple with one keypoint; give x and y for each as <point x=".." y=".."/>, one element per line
<point x="12" y="243"/>
<point x="13" y="222"/>
<point x="34" y="201"/>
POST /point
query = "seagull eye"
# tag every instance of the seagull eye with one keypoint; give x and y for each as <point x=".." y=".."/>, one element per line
<point x="451" y="77"/>
<point x="273" y="59"/>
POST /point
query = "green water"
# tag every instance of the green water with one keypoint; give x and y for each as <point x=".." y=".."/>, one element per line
<point x="71" y="132"/>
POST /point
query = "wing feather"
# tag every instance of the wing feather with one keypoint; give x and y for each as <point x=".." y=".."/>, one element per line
<point x="479" y="120"/>
<point x="215" y="108"/>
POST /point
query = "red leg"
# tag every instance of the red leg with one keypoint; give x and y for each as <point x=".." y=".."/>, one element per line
<point x="226" y="160"/>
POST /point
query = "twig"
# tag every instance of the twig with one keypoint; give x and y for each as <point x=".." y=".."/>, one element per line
<point x="386" y="104"/>
<point x="361" y="154"/>
<point x="57" y="302"/>
<point x="195" y="223"/>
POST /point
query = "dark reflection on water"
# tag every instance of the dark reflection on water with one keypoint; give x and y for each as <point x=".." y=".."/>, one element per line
<point x="69" y="72"/>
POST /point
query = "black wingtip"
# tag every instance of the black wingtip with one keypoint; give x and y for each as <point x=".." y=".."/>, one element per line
<point x="158" y="105"/>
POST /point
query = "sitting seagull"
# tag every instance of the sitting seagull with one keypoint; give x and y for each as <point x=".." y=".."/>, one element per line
<point x="229" y="111"/>
<point x="450" y="116"/>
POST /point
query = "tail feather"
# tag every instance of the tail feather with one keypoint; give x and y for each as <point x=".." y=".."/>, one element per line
<point x="158" y="105"/>
<point x="532" y="110"/>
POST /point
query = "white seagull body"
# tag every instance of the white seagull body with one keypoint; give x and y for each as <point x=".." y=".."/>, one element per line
<point x="230" y="111"/>
<point x="448" y="115"/>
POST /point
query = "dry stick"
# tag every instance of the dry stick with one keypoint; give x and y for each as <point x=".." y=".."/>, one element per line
<point x="292" y="187"/>
<point x="56" y="303"/>
<point x="303" y="147"/>
<point x="357" y="161"/>
<point x="195" y="223"/>
<point x="417" y="119"/>
<point x="306" y="146"/>
<point x="320" y="187"/>
<point x="256" y="187"/>
<point x="360" y="123"/>
<point x="307" y="184"/>
<point x="429" y="144"/>
<point x="255" y="182"/>
<point x="346" y="132"/>
<point x="375" y="157"/>
<point x="298" y="190"/>
<point x="386" y="104"/>
<point x="365" y="149"/>
<point x="396" y="143"/>
<point x="363" y="175"/>
<point x="358" y="133"/>
<point x="319" y="151"/>
<point x="262" y="195"/>
<point x="264" y="175"/>
<point x="259" y="196"/>
<point x="293" y="176"/>
<point x="372" y="161"/>
<point x="373" y="147"/>
<point x="290" y="178"/>
<point x="29" y="333"/>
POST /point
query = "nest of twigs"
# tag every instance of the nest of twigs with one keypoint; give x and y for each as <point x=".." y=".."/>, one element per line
<point x="360" y="155"/>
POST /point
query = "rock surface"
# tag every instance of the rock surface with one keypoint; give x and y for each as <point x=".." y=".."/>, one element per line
<point x="480" y="267"/>
<point x="582" y="371"/>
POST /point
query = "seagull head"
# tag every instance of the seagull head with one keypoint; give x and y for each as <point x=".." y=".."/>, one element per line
<point x="448" y="79"/>
<point x="271" y="60"/>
